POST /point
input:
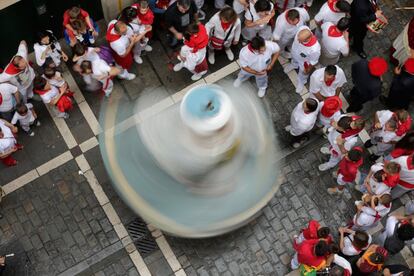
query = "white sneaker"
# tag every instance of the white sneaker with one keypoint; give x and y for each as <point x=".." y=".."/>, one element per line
<point x="198" y="76"/>
<point x="288" y="128"/>
<point x="300" y="87"/>
<point x="201" y="15"/>
<point x="334" y="191"/>
<point x="147" y="48"/>
<point x="128" y="76"/>
<point x="178" y="67"/>
<point x="138" y="59"/>
<point x="237" y="83"/>
<point x="211" y="57"/>
<point x="229" y="54"/>
<point x="289" y="67"/>
<point x="325" y="150"/>
<point x="38" y="123"/>
<point x="324" y="167"/>
<point x="261" y="92"/>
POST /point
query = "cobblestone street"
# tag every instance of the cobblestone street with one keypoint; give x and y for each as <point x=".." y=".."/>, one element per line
<point x="62" y="215"/>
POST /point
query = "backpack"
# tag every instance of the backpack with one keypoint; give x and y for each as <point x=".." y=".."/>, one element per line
<point x="393" y="244"/>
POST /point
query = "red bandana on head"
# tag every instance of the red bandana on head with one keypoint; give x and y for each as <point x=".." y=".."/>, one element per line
<point x="311" y="42"/>
<point x="334" y="32"/>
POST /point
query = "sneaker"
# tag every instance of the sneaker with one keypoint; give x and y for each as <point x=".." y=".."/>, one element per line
<point x="211" y="57"/>
<point x="147" y="48"/>
<point x="335" y="174"/>
<point x="261" y="92"/>
<point x="201" y="15"/>
<point x="38" y="123"/>
<point x="335" y="190"/>
<point x="288" y="128"/>
<point x="237" y="83"/>
<point x="128" y="76"/>
<point x="298" y="144"/>
<point x="299" y="88"/>
<point x="289" y="67"/>
<point x="324" y="167"/>
<point x="178" y="67"/>
<point x="244" y="42"/>
<point x="229" y="54"/>
<point x="30" y="133"/>
<point x="66" y="116"/>
<point x="91" y="40"/>
<point x="325" y="150"/>
<point x="198" y="76"/>
<point x="138" y="59"/>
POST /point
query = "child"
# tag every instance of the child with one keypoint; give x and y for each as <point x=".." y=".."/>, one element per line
<point x="224" y="30"/>
<point x="84" y="22"/>
<point x="54" y="77"/>
<point x="381" y="178"/>
<point x="26" y="116"/>
<point x="330" y="110"/>
<point x="348" y="170"/>
<point x="257" y="18"/>
<point x="193" y="53"/>
<point x="370" y="210"/>
<point x="8" y="143"/>
<point x="342" y="137"/>
<point x="384" y="134"/>
<point x="302" y="121"/>
<point x="58" y="98"/>
<point x="257" y="59"/>
<point x="102" y="72"/>
<point x="314" y="231"/>
<point x="47" y="50"/>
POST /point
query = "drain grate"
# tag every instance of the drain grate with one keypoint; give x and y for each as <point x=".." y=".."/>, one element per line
<point x="142" y="237"/>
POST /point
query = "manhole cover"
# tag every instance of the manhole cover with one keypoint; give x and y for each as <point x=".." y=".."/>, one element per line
<point x="142" y="237"/>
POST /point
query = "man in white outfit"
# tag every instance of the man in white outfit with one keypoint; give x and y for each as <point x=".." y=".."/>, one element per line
<point x="406" y="182"/>
<point x="19" y="72"/>
<point x="305" y="55"/>
<point x="257" y="17"/>
<point x="332" y="11"/>
<point x="286" y="27"/>
<point x="326" y="82"/>
<point x="256" y="59"/>
<point x="335" y="41"/>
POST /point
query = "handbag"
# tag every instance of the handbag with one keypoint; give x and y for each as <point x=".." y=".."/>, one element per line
<point x="218" y="43"/>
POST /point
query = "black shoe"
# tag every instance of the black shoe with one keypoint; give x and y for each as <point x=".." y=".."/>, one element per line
<point x="362" y="55"/>
<point x="373" y="157"/>
<point x="368" y="144"/>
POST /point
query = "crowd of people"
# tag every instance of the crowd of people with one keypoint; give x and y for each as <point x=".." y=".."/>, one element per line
<point x="266" y="31"/>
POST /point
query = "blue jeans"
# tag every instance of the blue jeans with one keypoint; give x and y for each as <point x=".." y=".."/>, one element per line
<point x="86" y="36"/>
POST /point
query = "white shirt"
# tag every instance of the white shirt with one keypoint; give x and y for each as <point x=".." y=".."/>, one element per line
<point x="406" y="174"/>
<point x="349" y="249"/>
<point x="333" y="46"/>
<point x="317" y="82"/>
<point x="350" y="142"/>
<point x="325" y="14"/>
<point x="378" y="188"/>
<point x="57" y="80"/>
<point x="301" y="122"/>
<point x="100" y="68"/>
<point x="8" y="141"/>
<point x="215" y="29"/>
<point x="39" y="49"/>
<point x="256" y="61"/>
<point x="26" y="119"/>
<point x="50" y="95"/>
<point x="326" y="121"/>
<point x="301" y="53"/>
<point x="285" y="31"/>
<point x="121" y="44"/>
<point x="7" y="91"/>
<point x="252" y="15"/>
<point x="387" y="136"/>
<point x="90" y="55"/>
<point x="342" y="262"/>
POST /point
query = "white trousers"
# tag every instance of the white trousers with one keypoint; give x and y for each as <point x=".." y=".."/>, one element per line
<point x="302" y="76"/>
<point x="261" y="80"/>
<point x="192" y="59"/>
<point x="264" y="31"/>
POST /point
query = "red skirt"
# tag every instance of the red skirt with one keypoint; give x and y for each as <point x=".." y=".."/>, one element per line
<point x="124" y="62"/>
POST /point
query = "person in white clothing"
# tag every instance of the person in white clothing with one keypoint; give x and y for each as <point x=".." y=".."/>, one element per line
<point x="340" y="266"/>
<point x="223" y="30"/>
<point x="398" y="230"/>
<point x="286" y="27"/>
<point x="352" y="243"/>
<point x="384" y="135"/>
<point x="329" y="110"/>
<point x="370" y="211"/>
<point x="102" y="72"/>
<point x="332" y="11"/>
<point x="26" y="116"/>
<point x="406" y="181"/>
<point x="19" y="72"/>
<point x="8" y="143"/>
<point x="302" y="120"/>
<point x="54" y="77"/>
<point x="380" y="178"/>
<point x="334" y="42"/>
<point x="342" y="137"/>
<point x="305" y="55"/>
<point x="240" y="6"/>
<point x="326" y="82"/>
<point x="257" y="18"/>
<point x="47" y="50"/>
<point x="9" y="97"/>
<point x="257" y="59"/>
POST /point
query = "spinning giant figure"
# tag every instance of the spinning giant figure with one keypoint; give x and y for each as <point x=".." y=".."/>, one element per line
<point x="198" y="168"/>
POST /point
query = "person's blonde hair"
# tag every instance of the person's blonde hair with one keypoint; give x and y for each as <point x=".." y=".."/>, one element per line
<point x="74" y="12"/>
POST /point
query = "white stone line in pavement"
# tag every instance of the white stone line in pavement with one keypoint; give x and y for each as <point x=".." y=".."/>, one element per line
<point x="177" y="97"/>
<point x="89" y="144"/>
<point x="222" y="72"/>
<point x="54" y="163"/>
<point x="21" y="181"/>
<point x="63" y="129"/>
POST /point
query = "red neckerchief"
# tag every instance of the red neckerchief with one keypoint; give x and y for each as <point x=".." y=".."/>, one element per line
<point x="331" y="6"/>
<point x="225" y="25"/>
<point x="351" y="132"/>
<point x="12" y="69"/>
<point x="334" y="32"/>
<point x="410" y="164"/>
<point x="110" y="37"/>
<point x="329" y="82"/>
<point x="311" y="42"/>
<point x="402" y="127"/>
<point x="249" y="46"/>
